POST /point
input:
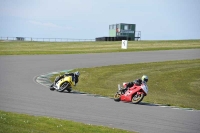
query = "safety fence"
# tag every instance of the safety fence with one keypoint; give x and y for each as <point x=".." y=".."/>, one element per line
<point x="44" y="39"/>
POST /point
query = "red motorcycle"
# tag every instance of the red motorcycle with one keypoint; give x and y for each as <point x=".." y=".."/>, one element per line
<point x="134" y="94"/>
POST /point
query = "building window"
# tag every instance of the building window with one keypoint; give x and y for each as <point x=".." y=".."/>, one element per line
<point x="130" y="27"/>
<point x="113" y="26"/>
<point x="118" y="26"/>
<point x="125" y="27"/>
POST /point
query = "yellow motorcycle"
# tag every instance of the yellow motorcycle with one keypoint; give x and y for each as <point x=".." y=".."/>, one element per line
<point x="62" y="83"/>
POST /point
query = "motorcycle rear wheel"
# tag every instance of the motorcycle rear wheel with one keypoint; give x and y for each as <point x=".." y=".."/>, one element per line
<point x="117" y="97"/>
<point x="137" y="98"/>
<point x="69" y="90"/>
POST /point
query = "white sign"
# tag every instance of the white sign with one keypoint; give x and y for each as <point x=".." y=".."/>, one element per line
<point x="124" y="44"/>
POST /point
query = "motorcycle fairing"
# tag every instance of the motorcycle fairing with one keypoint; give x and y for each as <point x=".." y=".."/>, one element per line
<point x="133" y="90"/>
<point x="144" y="87"/>
<point x="65" y="79"/>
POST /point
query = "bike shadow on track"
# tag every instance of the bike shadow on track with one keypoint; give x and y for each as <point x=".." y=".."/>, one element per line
<point x="83" y="93"/>
<point x="140" y="104"/>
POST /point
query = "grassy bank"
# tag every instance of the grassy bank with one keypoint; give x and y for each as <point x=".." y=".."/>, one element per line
<point x="175" y="83"/>
<point x="31" y="48"/>
<point x="21" y="123"/>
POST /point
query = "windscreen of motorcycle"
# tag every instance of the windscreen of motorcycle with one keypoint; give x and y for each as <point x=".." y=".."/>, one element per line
<point x="144" y="88"/>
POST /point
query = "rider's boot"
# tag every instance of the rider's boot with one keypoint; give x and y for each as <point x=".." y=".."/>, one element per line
<point x="125" y="89"/>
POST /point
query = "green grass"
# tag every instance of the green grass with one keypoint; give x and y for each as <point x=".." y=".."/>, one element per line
<point x="175" y="83"/>
<point x="31" y="48"/>
<point x="22" y="123"/>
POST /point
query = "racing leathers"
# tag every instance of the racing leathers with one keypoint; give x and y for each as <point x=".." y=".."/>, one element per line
<point x="74" y="77"/>
<point x="137" y="82"/>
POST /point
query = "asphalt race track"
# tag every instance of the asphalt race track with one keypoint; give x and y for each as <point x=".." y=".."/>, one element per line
<point x="19" y="92"/>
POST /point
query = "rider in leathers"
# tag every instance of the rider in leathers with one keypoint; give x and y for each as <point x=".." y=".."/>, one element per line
<point x="137" y="82"/>
<point x="74" y="75"/>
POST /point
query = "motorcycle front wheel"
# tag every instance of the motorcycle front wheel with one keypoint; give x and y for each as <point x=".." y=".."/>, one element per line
<point x="117" y="97"/>
<point x="137" y="98"/>
<point x="52" y="88"/>
<point x="63" y="86"/>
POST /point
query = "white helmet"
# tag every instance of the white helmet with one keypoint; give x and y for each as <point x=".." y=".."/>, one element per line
<point x="77" y="73"/>
<point x="145" y="78"/>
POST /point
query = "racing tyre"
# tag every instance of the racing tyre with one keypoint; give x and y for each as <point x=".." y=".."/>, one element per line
<point x="117" y="97"/>
<point x="63" y="86"/>
<point x="137" y="98"/>
<point x="69" y="90"/>
<point x="51" y="88"/>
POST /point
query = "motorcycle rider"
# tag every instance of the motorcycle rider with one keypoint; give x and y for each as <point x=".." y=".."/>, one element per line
<point x="74" y="75"/>
<point x="137" y="82"/>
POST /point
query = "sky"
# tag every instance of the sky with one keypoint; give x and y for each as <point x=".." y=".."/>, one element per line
<point x="88" y="19"/>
